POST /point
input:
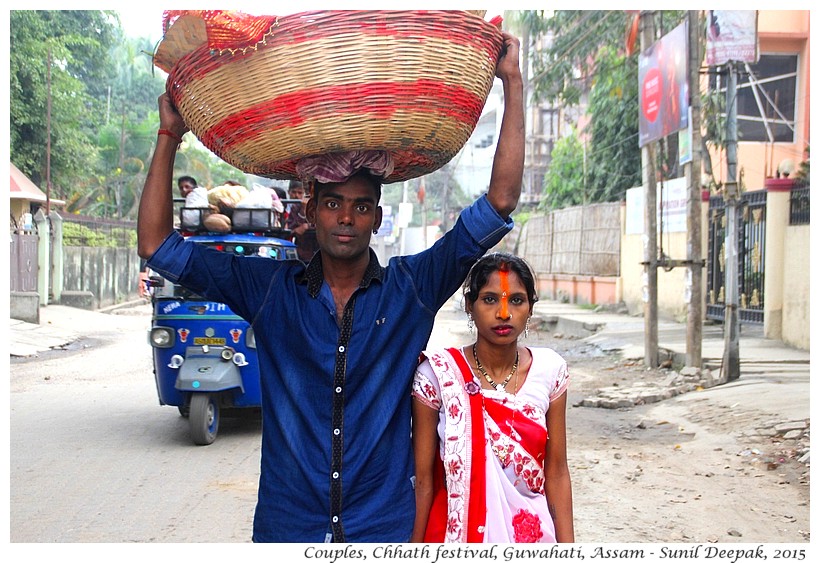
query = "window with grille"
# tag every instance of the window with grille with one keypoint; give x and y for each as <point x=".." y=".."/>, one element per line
<point x="766" y="98"/>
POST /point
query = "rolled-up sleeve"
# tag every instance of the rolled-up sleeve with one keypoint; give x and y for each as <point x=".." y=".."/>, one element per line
<point x="171" y="258"/>
<point x="485" y="224"/>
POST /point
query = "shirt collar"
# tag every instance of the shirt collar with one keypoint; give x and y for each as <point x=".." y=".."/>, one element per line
<point x="313" y="276"/>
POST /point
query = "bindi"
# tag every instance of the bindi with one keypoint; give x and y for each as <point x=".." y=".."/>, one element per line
<point x="504" y="278"/>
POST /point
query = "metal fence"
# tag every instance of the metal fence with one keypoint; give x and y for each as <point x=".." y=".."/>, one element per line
<point x="24" y="267"/>
<point x="751" y="257"/>
<point x="800" y="206"/>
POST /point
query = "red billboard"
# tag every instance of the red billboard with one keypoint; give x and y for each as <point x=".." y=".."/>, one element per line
<point x="664" y="90"/>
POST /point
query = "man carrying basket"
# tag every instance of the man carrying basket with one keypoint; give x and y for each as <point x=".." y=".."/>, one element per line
<point x="337" y="463"/>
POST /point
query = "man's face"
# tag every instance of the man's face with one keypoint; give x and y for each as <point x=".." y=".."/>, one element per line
<point x="186" y="187"/>
<point x="345" y="216"/>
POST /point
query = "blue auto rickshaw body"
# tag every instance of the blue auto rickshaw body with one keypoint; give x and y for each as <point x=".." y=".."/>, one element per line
<point x="204" y="354"/>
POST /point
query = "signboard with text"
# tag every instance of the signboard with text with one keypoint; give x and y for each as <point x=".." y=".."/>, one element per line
<point x="731" y="35"/>
<point x="672" y="200"/>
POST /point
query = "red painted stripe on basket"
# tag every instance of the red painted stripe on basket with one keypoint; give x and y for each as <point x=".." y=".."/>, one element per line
<point x="295" y="108"/>
<point x="418" y="24"/>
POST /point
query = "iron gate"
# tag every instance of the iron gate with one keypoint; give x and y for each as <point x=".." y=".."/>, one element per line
<point x="751" y="238"/>
<point x="24" y="267"/>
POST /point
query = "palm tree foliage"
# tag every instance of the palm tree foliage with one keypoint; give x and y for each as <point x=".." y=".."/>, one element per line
<point x="103" y="93"/>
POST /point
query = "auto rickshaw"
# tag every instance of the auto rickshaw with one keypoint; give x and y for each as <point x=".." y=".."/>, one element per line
<point x="204" y="354"/>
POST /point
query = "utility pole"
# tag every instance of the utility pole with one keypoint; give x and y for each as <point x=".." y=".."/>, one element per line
<point x="121" y="180"/>
<point x="694" y="283"/>
<point x="650" y="249"/>
<point x="731" y="334"/>
<point x="48" y="133"/>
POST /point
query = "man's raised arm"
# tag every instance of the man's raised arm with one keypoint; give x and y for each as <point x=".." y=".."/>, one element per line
<point x="156" y="212"/>
<point x="508" y="164"/>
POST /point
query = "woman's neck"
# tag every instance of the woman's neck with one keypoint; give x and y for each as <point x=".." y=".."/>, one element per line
<point x="496" y="360"/>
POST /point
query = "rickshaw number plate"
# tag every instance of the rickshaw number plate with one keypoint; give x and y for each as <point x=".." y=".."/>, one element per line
<point x="204" y="341"/>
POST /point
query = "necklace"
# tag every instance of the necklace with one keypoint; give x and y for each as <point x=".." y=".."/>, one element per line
<point x="503" y="384"/>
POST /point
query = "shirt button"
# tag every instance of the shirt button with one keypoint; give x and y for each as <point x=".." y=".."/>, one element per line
<point x="338" y="389"/>
<point x="335" y="474"/>
<point x="336" y="431"/>
<point x="341" y="349"/>
<point x="335" y="519"/>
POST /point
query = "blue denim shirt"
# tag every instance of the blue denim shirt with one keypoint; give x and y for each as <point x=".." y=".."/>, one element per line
<point x="336" y="451"/>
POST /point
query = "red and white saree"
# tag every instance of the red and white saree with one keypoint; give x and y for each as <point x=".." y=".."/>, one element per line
<point x="492" y="445"/>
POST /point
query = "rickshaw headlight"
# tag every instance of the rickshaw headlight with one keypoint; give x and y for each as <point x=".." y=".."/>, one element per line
<point x="250" y="338"/>
<point x="161" y="337"/>
<point x="239" y="359"/>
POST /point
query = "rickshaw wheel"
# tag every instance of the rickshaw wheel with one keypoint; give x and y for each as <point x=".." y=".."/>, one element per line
<point x="184" y="411"/>
<point x="204" y="418"/>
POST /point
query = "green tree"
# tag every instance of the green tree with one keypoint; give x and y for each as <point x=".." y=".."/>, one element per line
<point x="444" y="196"/>
<point x="194" y="159"/>
<point x="563" y="71"/>
<point x="128" y="137"/>
<point x="614" y="161"/>
<point x="564" y="183"/>
<point x="586" y="59"/>
<point x="76" y="43"/>
<point x="103" y="107"/>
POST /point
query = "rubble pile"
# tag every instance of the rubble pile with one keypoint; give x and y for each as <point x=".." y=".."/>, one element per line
<point x="649" y="391"/>
<point x="792" y="438"/>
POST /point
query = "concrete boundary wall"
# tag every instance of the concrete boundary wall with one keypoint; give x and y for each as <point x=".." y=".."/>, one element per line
<point x="796" y="320"/>
<point x="109" y="274"/>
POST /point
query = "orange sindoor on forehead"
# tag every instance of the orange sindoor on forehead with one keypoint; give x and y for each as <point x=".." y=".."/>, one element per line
<point x="504" y="278"/>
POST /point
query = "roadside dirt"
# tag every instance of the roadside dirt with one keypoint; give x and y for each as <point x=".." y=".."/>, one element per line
<point x="688" y="469"/>
<point x="685" y="469"/>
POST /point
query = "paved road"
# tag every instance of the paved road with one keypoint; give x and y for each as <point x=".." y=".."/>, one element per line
<point x="94" y="458"/>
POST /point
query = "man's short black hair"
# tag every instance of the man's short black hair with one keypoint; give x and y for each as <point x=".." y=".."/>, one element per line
<point x="188" y="179"/>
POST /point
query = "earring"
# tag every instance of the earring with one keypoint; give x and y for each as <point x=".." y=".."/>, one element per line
<point x="527" y="328"/>
<point x="470" y="323"/>
<point x="375" y="231"/>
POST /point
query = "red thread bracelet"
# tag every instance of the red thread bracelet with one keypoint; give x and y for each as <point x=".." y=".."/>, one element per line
<point x="171" y="134"/>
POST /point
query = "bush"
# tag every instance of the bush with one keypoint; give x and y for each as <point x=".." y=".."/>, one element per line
<point x="77" y="234"/>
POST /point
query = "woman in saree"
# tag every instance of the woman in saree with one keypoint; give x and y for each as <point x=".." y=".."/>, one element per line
<point x="489" y="423"/>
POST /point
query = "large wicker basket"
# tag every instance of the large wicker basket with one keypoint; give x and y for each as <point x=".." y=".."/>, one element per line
<point x="264" y="92"/>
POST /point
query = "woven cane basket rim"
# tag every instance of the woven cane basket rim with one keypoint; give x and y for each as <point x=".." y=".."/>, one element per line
<point x="412" y="83"/>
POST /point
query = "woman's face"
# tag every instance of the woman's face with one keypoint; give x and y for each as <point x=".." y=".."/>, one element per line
<point x="501" y="311"/>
